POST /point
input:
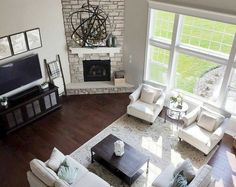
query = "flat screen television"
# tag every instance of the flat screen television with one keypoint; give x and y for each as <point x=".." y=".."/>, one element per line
<point x="19" y="72"/>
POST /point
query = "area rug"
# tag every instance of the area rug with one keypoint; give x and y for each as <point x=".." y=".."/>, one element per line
<point x="159" y="141"/>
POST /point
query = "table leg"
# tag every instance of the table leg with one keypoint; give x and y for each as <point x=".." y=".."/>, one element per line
<point x="147" y="167"/>
<point x="165" y="114"/>
<point x="92" y="159"/>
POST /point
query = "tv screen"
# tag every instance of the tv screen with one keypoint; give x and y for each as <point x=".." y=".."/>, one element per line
<point x="19" y="73"/>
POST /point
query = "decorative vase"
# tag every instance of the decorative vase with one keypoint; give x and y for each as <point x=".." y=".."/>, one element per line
<point x="114" y="41"/>
<point x="109" y="40"/>
<point x="4" y="103"/>
<point x="119" y="148"/>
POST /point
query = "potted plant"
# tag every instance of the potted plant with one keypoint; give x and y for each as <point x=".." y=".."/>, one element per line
<point x="177" y="100"/>
<point x="4" y="101"/>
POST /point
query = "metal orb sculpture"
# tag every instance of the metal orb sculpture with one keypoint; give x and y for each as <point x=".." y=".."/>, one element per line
<point x="91" y="25"/>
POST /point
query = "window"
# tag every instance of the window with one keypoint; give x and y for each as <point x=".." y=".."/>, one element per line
<point x="230" y="103"/>
<point x="164" y="22"/>
<point x="207" y="34"/>
<point x="198" y="76"/>
<point x="192" y="56"/>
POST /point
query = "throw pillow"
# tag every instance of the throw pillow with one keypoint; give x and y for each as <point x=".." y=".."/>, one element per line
<point x="207" y="121"/>
<point x="187" y="169"/>
<point x="67" y="172"/>
<point x="220" y="118"/>
<point x="179" y="180"/>
<point x="55" y="159"/>
<point x="147" y="95"/>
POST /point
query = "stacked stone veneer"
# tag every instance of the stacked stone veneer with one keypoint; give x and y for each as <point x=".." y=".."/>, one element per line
<point x="115" y="9"/>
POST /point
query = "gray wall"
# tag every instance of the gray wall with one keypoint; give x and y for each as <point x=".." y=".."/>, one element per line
<point x="21" y="15"/>
<point x="136" y="15"/>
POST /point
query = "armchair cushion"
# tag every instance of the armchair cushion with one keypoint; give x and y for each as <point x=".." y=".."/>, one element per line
<point x="158" y="91"/>
<point x="147" y="95"/>
<point x="207" y="121"/>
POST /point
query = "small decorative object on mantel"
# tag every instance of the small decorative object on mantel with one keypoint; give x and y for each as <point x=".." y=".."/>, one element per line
<point x="4" y="102"/>
<point x="119" y="149"/>
<point x="119" y="78"/>
<point x="91" y="26"/>
<point x="177" y="100"/>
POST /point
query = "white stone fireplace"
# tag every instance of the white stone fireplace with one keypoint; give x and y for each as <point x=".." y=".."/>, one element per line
<point x="115" y="9"/>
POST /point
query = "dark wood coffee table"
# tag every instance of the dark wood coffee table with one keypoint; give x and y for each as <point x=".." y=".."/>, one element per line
<point x="127" y="167"/>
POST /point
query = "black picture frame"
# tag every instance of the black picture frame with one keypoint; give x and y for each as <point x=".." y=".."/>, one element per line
<point x="34" y="39"/>
<point x="5" y="47"/>
<point x="18" y="43"/>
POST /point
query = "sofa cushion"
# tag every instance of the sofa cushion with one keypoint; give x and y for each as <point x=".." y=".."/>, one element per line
<point x="179" y="180"/>
<point x="187" y="168"/>
<point x="147" y="95"/>
<point x="90" y="180"/>
<point x="55" y="159"/>
<point x="45" y="174"/>
<point x="207" y="121"/>
<point x="68" y="171"/>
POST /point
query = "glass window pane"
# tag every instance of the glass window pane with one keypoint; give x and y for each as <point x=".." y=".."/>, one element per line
<point x="162" y="24"/>
<point x="230" y="104"/>
<point x="198" y="76"/>
<point x="207" y="34"/>
<point x="159" y="60"/>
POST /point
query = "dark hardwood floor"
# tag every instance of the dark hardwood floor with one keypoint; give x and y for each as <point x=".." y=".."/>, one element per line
<point x="81" y="118"/>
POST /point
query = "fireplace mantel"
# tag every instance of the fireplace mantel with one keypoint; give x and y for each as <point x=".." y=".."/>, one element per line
<point x="81" y="51"/>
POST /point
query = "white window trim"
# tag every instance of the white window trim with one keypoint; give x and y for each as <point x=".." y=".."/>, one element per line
<point x="175" y="46"/>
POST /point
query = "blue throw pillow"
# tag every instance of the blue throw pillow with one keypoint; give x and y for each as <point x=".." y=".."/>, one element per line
<point x="67" y="172"/>
<point x="180" y="180"/>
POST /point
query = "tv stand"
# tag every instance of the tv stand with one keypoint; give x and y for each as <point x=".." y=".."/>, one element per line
<point x="28" y="106"/>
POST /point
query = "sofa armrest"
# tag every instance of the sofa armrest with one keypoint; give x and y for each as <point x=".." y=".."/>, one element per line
<point x="135" y="95"/>
<point x="219" y="132"/>
<point x="161" y="100"/>
<point x="164" y="179"/>
<point x="61" y="183"/>
<point x="202" y="178"/>
<point x="191" y="116"/>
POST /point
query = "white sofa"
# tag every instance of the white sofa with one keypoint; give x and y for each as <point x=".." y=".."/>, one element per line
<point x="199" y="137"/>
<point x="202" y="179"/>
<point x="42" y="176"/>
<point x="142" y="110"/>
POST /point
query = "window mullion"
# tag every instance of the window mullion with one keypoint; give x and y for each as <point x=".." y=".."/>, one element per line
<point x="228" y="74"/>
<point x="178" y="22"/>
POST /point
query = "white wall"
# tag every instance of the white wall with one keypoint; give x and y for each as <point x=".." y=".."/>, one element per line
<point x="136" y="13"/>
<point x="21" y="15"/>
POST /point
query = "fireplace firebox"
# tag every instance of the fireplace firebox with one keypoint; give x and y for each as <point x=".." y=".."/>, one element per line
<point x="97" y="70"/>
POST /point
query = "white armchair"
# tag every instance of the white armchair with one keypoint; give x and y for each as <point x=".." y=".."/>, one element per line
<point x="143" y="110"/>
<point x="198" y="136"/>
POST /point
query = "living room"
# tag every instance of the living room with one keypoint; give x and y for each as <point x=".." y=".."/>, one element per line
<point x="118" y="93"/>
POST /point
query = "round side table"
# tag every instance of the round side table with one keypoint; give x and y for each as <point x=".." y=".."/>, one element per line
<point x="173" y="112"/>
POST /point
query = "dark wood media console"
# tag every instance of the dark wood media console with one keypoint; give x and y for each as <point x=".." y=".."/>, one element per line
<point x="28" y="106"/>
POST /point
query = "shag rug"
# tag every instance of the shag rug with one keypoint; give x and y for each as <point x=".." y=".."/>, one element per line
<point x="159" y="141"/>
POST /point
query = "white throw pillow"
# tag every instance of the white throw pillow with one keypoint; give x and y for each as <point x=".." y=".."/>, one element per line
<point x="55" y="159"/>
<point x="147" y="95"/>
<point x="207" y="121"/>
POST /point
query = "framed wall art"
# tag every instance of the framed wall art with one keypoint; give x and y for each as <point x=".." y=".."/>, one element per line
<point x="33" y="39"/>
<point x="5" y="48"/>
<point x="18" y="42"/>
